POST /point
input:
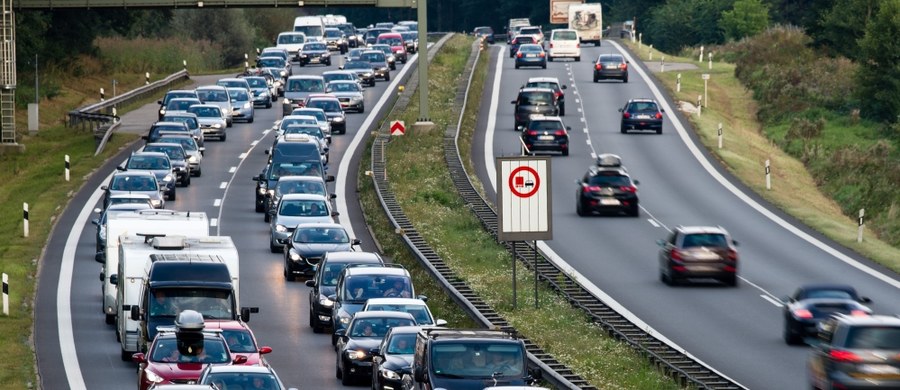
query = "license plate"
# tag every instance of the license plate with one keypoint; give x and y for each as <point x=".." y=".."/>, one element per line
<point x="531" y="55"/>
<point x="612" y="66"/>
<point x="314" y="60"/>
<point x="701" y="268"/>
<point x="609" y="202"/>
<point x="879" y="369"/>
<point x="545" y="138"/>
<point x="642" y="116"/>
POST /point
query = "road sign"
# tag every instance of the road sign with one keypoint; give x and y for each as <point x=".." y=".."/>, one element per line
<point x="524" y="198"/>
<point x="398" y="128"/>
<point x="705" y="76"/>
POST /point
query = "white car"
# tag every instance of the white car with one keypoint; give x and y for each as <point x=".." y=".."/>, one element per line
<point x="564" y="43"/>
<point x="414" y="306"/>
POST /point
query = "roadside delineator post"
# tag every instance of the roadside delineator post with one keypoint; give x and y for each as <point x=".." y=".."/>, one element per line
<point x="25" y="216"/>
<point x="662" y="65"/>
<point x="650" y="52"/>
<point x="5" y="294"/>
<point x="67" y="167"/>
<point x="102" y="94"/>
<point x="720" y="135"/>
<point x="768" y="176"/>
<point x="147" y="78"/>
<point x="699" y="105"/>
<point x="701" y="54"/>
<point x="862" y="224"/>
<point x="678" y="83"/>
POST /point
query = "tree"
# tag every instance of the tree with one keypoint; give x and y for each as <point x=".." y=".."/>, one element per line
<point x="680" y="23"/>
<point x="879" y="71"/>
<point x="844" y="25"/>
<point x="747" y="18"/>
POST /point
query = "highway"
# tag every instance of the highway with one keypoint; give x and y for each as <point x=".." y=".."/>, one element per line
<point x="737" y="331"/>
<point x="77" y="350"/>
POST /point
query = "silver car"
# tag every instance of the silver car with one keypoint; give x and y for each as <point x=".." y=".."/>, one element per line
<point x="135" y="183"/>
<point x="298" y="88"/>
<point x="193" y="151"/>
<point x="218" y="95"/>
<point x="159" y="165"/>
<point x="294" y="209"/>
<point x="320" y="116"/>
<point x="349" y="93"/>
<point x="211" y="121"/>
<point x="190" y="120"/>
<point x="243" y="104"/>
<point x="263" y="92"/>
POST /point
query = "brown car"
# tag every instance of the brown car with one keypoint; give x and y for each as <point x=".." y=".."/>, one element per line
<point x="698" y="252"/>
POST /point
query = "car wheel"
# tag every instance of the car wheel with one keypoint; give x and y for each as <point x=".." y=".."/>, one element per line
<point x="730" y="281"/>
<point x="272" y="247"/>
<point x="267" y="217"/>
<point x="333" y="339"/>
<point x="125" y="355"/>
<point x="288" y="275"/>
<point x="544" y="66"/>
<point x="791" y="338"/>
<point x="111" y="319"/>
<point x="623" y="129"/>
<point x="260" y="207"/>
<point x="596" y="79"/>
<point x="659" y="130"/>
<point x="517" y="66"/>
<point x="565" y="152"/>
<point x="562" y="110"/>
<point x="550" y="58"/>
<point x="229" y="123"/>
<point x="269" y="104"/>
<point x="302" y="64"/>
<point x="250" y="120"/>
<point x="172" y="195"/>
<point x="625" y="80"/>
<point x="223" y="137"/>
<point x="387" y="77"/>
<point x="362" y="109"/>
<point x="579" y="209"/>
<point x="188" y="180"/>
<point x="578" y="59"/>
<point x="337" y="372"/>
<point x="634" y="211"/>
<point x="346" y="380"/>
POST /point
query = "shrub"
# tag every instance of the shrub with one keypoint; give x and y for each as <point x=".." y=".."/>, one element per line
<point x="158" y="55"/>
<point x="747" y="18"/>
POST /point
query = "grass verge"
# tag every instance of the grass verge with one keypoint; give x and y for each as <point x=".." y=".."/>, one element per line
<point x="746" y="148"/>
<point x="420" y="179"/>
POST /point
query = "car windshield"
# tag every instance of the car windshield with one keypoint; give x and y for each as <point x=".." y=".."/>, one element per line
<point x="642" y="107"/>
<point x="291" y="39"/>
<point x="134" y="183"/>
<point x="270" y="62"/>
<point x="187" y="143"/>
<point x="257" y="82"/>
<point x="523" y="40"/>
<point x="461" y="359"/>
<point x="704" y="239"/>
<point x="611" y="59"/>
<point x="239" y="340"/>
<point x="829" y="294"/>
<point x="174" y="153"/>
<point x="175" y="350"/>
<point x="176" y="95"/>
<point x="531" y="48"/>
<point x="312" y="130"/>
<point x="393" y="41"/>
<point x="327" y="105"/>
<point x="242" y="380"/>
<point x="565" y="35"/>
<point x="333" y="33"/>
<point x="293" y="169"/>
<point x="362" y="287"/>
<point x="321" y="235"/>
<point x="306" y="85"/>
<point x="874" y="337"/>
<point x="314" y="47"/>
<point x="343" y="87"/>
<point x="213" y="304"/>
<point x="148" y="162"/>
<point x="319" y="114"/>
<point x="303" y="208"/>
<point x="545" y="125"/>
<point x="375" y="327"/>
<point x="402" y="344"/>
<point x="210" y="95"/>
<point x="609" y="181"/>
<point x="530" y="30"/>
<point x="190" y="121"/>
<point x="310" y="31"/>
<point x="206" y="112"/>
<point x="181" y="105"/>
<point x="240" y="95"/>
<point x="299" y="187"/>
<point x="419" y="312"/>
<point x="536" y="99"/>
<point x="372" y="57"/>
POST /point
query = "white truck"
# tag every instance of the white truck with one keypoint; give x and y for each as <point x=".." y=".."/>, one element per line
<point x="512" y="28"/>
<point x="312" y="26"/>
<point x="138" y="254"/>
<point x="157" y="221"/>
<point x="334" y="20"/>
<point x="587" y="19"/>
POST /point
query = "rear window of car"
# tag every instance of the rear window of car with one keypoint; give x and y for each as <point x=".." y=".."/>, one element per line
<point x="611" y="58"/>
<point x="535" y="98"/>
<point x="874" y="337"/>
<point x="704" y="239"/>
<point x="609" y="180"/>
<point x="531" y="48"/>
<point x="543" y="84"/>
<point x="545" y="125"/>
<point x="642" y="106"/>
<point x="565" y="35"/>
<point x="521" y="40"/>
<point x="530" y="30"/>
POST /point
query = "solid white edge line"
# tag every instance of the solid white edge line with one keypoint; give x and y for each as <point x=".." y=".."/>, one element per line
<point x="64" y="295"/>
<point x="682" y="132"/>
<point x="340" y="182"/>
<point x="492" y="122"/>
<point x="562" y="264"/>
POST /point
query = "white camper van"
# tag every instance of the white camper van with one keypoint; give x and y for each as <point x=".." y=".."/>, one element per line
<point x="137" y="255"/>
<point x="158" y="221"/>
<point x="587" y="20"/>
<point x="312" y="26"/>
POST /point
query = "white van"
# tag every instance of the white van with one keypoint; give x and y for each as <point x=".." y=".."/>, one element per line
<point x="312" y="26"/>
<point x="290" y="41"/>
<point x="564" y="42"/>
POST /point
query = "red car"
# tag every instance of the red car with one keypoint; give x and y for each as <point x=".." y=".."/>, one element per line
<point x="241" y="341"/>
<point x="395" y="41"/>
<point x="178" y="355"/>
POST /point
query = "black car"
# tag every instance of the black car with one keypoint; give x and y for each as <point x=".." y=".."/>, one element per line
<point x="353" y="36"/>
<point x="534" y="101"/>
<point x="333" y="110"/>
<point x="324" y="282"/>
<point x="371" y="35"/>
<point x="605" y="189"/>
<point x="172" y="127"/>
<point x="484" y="32"/>
<point x="611" y="66"/>
<point x="393" y="357"/>
<point x="553" y="83"/>
<point x="364" y="71"/>
<point x="356" y="284"/>
<point x="811" y="304"/>
<point x="856" y="352"/>
<point x="365" y="332"/>
<point x="519" y="41"/>
<point x="177" y="157"/>
<point x="642" y="114"/>
<point x="546" y="134"/>
<point x="174" y="94"/>
<point x="378" y="61"/>
<point x="309" y="243"/>
<point x="314" y="53"/>
<point x="308" y="164"/>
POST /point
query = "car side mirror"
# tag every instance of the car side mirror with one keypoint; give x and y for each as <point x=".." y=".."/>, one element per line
<point x="422" y="297"/>
<point x="104" y="188"/>
<point x="138" y="358"/>
<point x="114" y="279"/>
<point x="311" y="283"/>
<point x="375" y="351"/>
<point x="246" y="311"/>
<point x="637" y="182"/>
<point x="266" y="151"/>
<point x="145" y="138"/>
<point x="265" y="350"/>
<point x="568" y="128"/>
<point x="159" y="102"/>
<point x="332" y="196"/>
<point x="340" y="332"/>
<point x="512" y="102"/>
<point x="332" y="297"/>
<point x="342" y="66"/>
<point x="564" y="86"/>
<point x="662" y="110"/>
<point x="865" y="299"/>
<point x="620" y="110"/>
<point x="240" y="359"/>
<point x="95" y="221"/>
<point x="202" y="150"/>
<point x="440" y="322"/>
<point x="120" y="168"/>
<point x="329" y="178"/>
<point x="335" y="213"/>
<point x="735" y="243"/>
<point x="355" y="242"/>
<point x="135" y="313"/>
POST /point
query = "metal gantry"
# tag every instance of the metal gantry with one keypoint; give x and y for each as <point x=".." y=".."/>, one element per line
<point x="7" y="74"/>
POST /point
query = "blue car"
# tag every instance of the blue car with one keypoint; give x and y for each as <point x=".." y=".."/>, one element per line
<point x="531" y="55"/>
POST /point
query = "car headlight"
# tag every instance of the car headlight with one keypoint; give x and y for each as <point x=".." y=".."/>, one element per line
<point x="384" y="69"/>
<point x="156" y="202"/>
<point x="344" y="320"/>
<point x="280" y="228"/>
<point x="153" y="377"/>
<point x="216" y="125"/>
<point x="270" y="193"/>
<point x="262" y="190"/>
<point x="247" y="106"/>
<point x="283" y="73"/>
<point x="356" y="99"/>
<point x="192" y="159"/>
<point x="167" y="178"/>
<point x="303" y="56"/>
<point x="367" y="74"/>
<point x="339" y="119"/>
<point x="162" y="111"/>
<point x="296" y="256"/>
<point x="287" y="101"/>
<point x="324" y="301"/>
<point x="356" y="355"/>
<point x="388" y="374"/>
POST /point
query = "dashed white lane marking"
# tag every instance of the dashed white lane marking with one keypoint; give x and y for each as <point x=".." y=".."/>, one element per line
<point x="266" y="131"/>
<point x="652" y="222"/>
<point x="587" y="141"/>
<point x="593" y="156"/>
<point x="217" y="202"/>
<point x="242" y="156"/>
<point x="213" y="222"/>
<point x="232" y="170"/>
<point x="254" y="143"/>
<point x="579" y="109"/>
<point x="577" y="101"/>
<point x="772" y="301"/>
<point x="586" y="131"/>
<point x="223" y="185"/>
<point x="582" y="119"/>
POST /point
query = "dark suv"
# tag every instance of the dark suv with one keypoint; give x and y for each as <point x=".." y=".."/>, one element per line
<point x="546" y="134"/>
<point x="698" y="251"/>
<point x="641" y="114"/>
<point x="532" y="101"/>
<point x="554" y="84"/>
<point x="611" y="66"/>
<point x="856" y="352"/>
<point x="605" y="189"/>
<point x="323" y="284"/>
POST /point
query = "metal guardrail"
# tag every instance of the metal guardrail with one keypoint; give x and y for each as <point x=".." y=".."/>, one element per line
<point x="554" y="372"/>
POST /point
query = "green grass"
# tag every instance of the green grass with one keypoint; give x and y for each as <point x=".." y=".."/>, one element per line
<point x="746" y="148"/>
<point x="419" y="177"/>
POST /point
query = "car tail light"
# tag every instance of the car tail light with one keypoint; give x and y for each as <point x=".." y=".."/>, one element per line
<point x="803" y="313"/>
<point x="519" y="54"/>
<point x="598" y="66"/>
<point x="592" y="189"/>
<point x="578" y="45"/>
<point x="626" y="115"/>
<point x="541" y="55"/>
<point x="560" y="132"/>
<point x="732" y="255"/>
<point x="623" y="66"/>
<point x="551" y="45"/>
<point x="844" y="356"/>
<point x="676" y="255"/>
<point x="858" y="313"/>
<point x="658" y="115"/>
<point x="628" y="188"/>
<point x="729" y="268"/>
<point x="531" y="132"/>
<point x="559" y="94"/>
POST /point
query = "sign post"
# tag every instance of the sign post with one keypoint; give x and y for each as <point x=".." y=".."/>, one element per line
<point x="524" y="202"/>
<point x="706" y="89"/>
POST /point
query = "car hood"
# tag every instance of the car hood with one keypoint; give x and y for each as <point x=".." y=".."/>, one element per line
<point x="179" y="370"/>
<point x="179" y="163"/>
<point x="319" y="249"/>
<point x="327" y="290"/>
<point x="314" y="52"/>
<point x="210" y="121"/>
<point x="351" y="308"/>
<point x="334" y="114"/>
<point x="397" y="362"/>
<point x="258" y="91"/>
<point x="359" y="71"/>
<point x="292" y="221"/>
<point x="296" y="95"/>
<point x="350" y="95"/>
<point x="194" y="153"/>
<point x="154" y="194"/>
<point x="363" y="343"/>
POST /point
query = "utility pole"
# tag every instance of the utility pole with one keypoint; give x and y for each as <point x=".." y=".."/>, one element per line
<point x="423" y="63"/>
